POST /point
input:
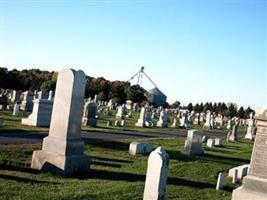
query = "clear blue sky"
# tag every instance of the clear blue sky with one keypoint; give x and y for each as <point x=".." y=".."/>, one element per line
<point x="195" y="51"/>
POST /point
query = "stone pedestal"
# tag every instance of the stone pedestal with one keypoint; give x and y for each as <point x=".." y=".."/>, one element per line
<point x="62" y="150"/>
<point x="254" y="185"/>
<point x="41" y="113"/>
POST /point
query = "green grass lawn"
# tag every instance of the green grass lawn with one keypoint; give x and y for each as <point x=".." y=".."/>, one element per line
<point x="115" y="174"/>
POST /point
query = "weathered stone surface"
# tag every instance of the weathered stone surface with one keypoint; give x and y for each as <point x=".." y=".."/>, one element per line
<point x="156" y="176"/>
<point x="143" y="148"/>
<point x="41" y="113"/>
<point x="62" y="150"/>
<point x="220" y="181"/>
<point x="193" y="143"/>
<point x="254" y="185"/>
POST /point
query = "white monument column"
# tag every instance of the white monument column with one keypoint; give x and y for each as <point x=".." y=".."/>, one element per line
<point x="62" y="150"/>
<point x="254" y="186"/>
<point x="156" y="176"/>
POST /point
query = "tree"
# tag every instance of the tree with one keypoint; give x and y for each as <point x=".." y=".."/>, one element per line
<point x="190" y="107"/>
<point x="176" y="104"/>
<point x="241" y="112"/>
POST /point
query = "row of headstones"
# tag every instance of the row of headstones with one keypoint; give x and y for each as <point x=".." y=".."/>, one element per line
<point x="158" y="163"/>
<point x="62" y="150"/>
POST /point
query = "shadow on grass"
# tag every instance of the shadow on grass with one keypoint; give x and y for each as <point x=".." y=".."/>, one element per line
<point x="111" y="159"/>
<point x="108" y="144"/>
<point x="222" y="159"/>
<point x="18" y="167"/>
<point x="25" y="180"/>
<point x="106" y="164"/>
<point x="124" y="176"/>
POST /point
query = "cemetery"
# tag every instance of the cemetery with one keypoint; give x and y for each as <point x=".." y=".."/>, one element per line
<point x="49" y="155"/>
<point x="133" y="100"/>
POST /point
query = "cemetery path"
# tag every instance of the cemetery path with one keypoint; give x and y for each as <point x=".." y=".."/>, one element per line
<point x="16" y="138"/>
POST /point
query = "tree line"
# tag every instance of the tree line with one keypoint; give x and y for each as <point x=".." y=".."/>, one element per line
<point x="120" y="91"/>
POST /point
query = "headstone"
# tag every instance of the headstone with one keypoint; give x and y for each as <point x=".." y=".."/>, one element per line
<point x="174" y="124"/>
<point x="208" y="120"/>
<point x="205" y="138"/>
<point x="233" y="136"/>
<point x="15" y="96"/>
<point x="218" y="142"/>
<point x="16" y="109"/>
<point x="142" y="118"/>
<point x="210" y="142"/>
<point x="50" y="97"/>
<point x="254" y="186"/>
<point x="251" y="127"/>
<point x="27" y="102"/>
<point x="62" y="150"/>
<point x="129" y="104"/>
<point x="220" y="181"/>
<point x="41" y="113"/>
<point x="122" y="123"/>
<point x="163" y="120"/>
<point x="42" y="95"/>
<point x="156" y="176"/>
<point x="193" y="143"/>
<point x="235" y="179"/>
<point x="143" y="148"/>
<point x="242" y="171"/>
<point x="95" y="99"/>
<point x="89" y="114"/>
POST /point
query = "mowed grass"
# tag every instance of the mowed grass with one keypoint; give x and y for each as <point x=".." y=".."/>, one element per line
<point x="115" y="174"/>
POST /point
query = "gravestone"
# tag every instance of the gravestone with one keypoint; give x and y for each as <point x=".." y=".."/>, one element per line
<point x="242" y="171"/>
<point x="16" y="109"/>
<point x="41" y="113"/>
<point x="50" y="97"/>
<point x="254" y="186"/>
<point x="143" y="148"/>
<point x="62" y="150"/>
<point x="233" y="136"/>
<point x="220" y="181"/>
<point x="218" y="142"/>
<point x="235" y="174"/>
<point x="15" y="96"/>
<point x="142" y="118"/>
<point x="156" y="176"/>
<point x="210" y="142"/>
<point x="89" y="114"/>
<point x="163" y="120"/>
<point x="27" y="102"/>
<point x="193" y="143"/>
<point x="208" y="120"/>
<point x="251" y="127"/>
<point x="42" y="95"/>
<point x="174" y="124"/>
